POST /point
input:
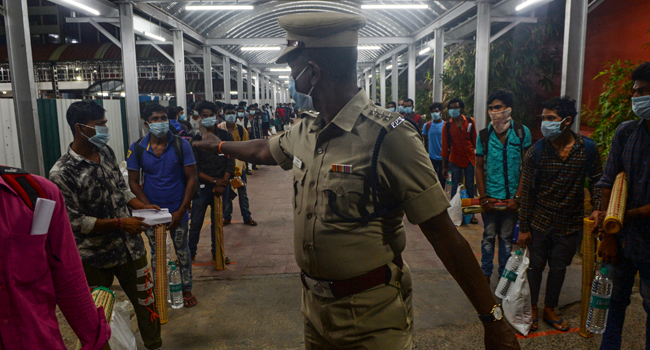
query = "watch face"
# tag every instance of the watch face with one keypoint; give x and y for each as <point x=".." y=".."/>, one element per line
<point x="498" y="313"/>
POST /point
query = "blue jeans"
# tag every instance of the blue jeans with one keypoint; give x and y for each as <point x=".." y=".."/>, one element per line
<point x="622" y="274"/>
<point x="199" y="206"/>
<point x="457" y="178"/>
<point x="437" y="166"/>
<point x="243" y="202"/>
<point x="179" y="238"/>
<point x="502" y="224"/>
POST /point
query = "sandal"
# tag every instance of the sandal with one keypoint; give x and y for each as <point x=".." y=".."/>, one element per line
<point x="226" y="222"/>
<point x="474" y="221"/>
<point x="533" y="326"/>
<point x="251" y="222"/>
<point x="552" y="323"/>
<point x="190" y="302"/>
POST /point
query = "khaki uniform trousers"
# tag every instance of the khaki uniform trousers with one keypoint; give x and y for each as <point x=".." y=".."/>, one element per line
<point x="380" y="318"/>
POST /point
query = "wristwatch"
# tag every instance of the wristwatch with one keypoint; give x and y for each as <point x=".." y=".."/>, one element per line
<point x="495" y="315"/>
<point x="215" y="181"/>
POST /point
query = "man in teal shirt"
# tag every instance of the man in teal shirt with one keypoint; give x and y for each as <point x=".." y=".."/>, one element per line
<point x="499" y="152"/>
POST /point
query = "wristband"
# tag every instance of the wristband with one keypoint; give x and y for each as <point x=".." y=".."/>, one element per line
<point x="222" y="142"/>
<point x="119" y="223"/>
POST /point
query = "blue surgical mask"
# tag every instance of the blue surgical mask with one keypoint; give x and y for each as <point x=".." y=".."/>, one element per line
<point x="241" y="114"/>
<point x="401" y="109"/>
<point x="182" y="117"/>
<point x="303" y="101"/>
<point x="408" y="110"/>
<point x="436" y="116"/>
<point x="641" y="106"/>
<point x="231" y="118"/>
<point x="209" y="122"/>
<point x="159" y="130"/>
<point x="552" y="130"/>
<point x="454" y="113"/>
<point x="101" y="137"/>
<point x="392" y="109"/>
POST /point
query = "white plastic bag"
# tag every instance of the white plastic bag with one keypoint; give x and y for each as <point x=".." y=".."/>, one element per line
<point x="455" y="211"/>
<point x="516" y="306"/>
<point x="121" y="336"/>
<point x="273" y="131"/>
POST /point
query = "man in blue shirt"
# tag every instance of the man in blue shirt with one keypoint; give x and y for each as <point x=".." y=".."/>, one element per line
<point x="628" y="251"/>
<point x="167" y="183"/>
<point x="432" y="132"/>
<point x="499" y="152"/>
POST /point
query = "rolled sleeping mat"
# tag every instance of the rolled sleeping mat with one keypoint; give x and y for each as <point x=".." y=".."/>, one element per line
<point x="161" y="285"/>
<point x="220" y="255"/>
<point x="103" y="297"/>
<point x="588" y="272"/>
<point x="616" y="209"/>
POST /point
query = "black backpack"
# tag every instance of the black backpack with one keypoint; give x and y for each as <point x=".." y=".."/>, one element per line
<point x="484" y="137"/>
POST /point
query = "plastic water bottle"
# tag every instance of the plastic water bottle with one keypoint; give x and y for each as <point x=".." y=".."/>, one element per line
<point x="448" y="184"/>
<point x="509" y="274"/>
<point x="601" y="292"/>
<point x="169" y="276"/>
<point x="175" y="288"/>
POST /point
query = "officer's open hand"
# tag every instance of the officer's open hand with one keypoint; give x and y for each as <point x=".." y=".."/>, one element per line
<point x="134" y="225"/>
<point x="209" y="141"/>
<point x="499" y="335"/>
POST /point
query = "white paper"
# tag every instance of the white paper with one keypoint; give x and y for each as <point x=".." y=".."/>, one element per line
<point x="154" y="217"/>
<point x="43" y="211"/>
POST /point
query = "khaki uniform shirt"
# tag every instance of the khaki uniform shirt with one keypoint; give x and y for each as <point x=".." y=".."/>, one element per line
<point x="326" y="246"/>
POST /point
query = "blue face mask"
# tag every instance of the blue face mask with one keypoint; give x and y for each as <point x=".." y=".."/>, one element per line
<point x="159" y="129"/>
<point x="209" y="122"/>
<point x="641" y="106"/>
<point x="552" y="130"/>
<point x="241" y="114"/>
<point x="454" y="113"/>
<point x="408" y="110"/>
<point x="401" y="109"/>
<point x="436" y="116"/>
<point x="303" y="101"/>
<point x="101" y="137"/>
<point x="392" y="109"/>
<point x="231" y="118"/>
<point x="182" y="117"/>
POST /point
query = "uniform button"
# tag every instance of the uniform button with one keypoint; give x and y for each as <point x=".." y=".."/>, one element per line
<point x="309" y="215"/>
<point x="340" y="191"/>
<point x="319" y="151"/>
<point x="312" y="183"/>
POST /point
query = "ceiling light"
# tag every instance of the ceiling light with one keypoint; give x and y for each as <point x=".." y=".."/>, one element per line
<point x="281" y="69"/>
<point x="260" y="48"/>
<point x="526" y="4"/>
<point x="425" y="50"/>
<point x="233" y="92"/>
<point x="4" y="92"/>
<point x="283" y="77"/>
<point x="394" y="7"/>
<point x="78" y="78"/>
<point x="218" y="7"/>
<point x="369" y="47"/>
<point x="154" y="36"/>
<point x="83" y="7"/>
<point x="167" y="94"/>
<point x="389" y="67"/>
<point x="122" y="94"/>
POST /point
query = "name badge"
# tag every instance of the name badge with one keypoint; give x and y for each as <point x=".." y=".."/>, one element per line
<point x="297" y="162"/>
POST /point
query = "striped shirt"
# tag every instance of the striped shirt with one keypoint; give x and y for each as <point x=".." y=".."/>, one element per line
<point x="556" y="204"/>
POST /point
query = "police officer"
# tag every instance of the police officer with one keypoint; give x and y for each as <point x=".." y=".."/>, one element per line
<point x="357" y="169"/>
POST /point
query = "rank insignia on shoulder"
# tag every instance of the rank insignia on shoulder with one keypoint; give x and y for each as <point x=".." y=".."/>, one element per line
<point x="397" y="122"/>
<point x="342" y="168"/>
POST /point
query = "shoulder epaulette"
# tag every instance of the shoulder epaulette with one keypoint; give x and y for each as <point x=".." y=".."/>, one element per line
<point x="387" y="119"/>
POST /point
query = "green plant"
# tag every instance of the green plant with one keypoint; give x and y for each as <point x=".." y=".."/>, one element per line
<point x="614" y="104"/>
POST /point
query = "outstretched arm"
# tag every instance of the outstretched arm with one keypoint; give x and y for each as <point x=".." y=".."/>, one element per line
<point x="256" y="151"/>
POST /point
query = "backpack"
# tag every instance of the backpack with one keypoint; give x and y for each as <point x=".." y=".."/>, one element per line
<point x="24" y="184"/>
<point x="626" y="132"/>
<point x="448" y="128"/>
<point x="538" y="151"/>
<point x="177" y="143"/>
<point x="484" y="137"/>
<point x="183" y="133"/>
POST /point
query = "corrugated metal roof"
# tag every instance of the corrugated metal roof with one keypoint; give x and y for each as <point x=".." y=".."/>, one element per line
<point x="87" y="52"/>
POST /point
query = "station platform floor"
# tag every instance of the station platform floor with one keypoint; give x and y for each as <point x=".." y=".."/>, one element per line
<point x="255" y="302"/>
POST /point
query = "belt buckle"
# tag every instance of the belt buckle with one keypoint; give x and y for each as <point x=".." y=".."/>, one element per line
<point x="321" y="288"/>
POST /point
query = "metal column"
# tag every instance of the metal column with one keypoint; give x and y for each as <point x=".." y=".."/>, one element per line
<point x="207" y="73"/>
<point x="395" y="80"/>
<point x="366" y="80"/>
<point x="481" y="73"/>
<point x="130" y="72"/>
<point x="411" y="72"/>
<point x="275" y="95"/>
<point x="179" y="68"/>
<point x="573" y="54"/>
<point x="373" y="84"/>
<point x="226" y="80"/>
<point x="438" y="60"/>
<point x="240" y="82"/>
<point x="257" y="88"/>
<point x="249" y="81"/>
<point x="382" y="84"/>
<point x="19" y="48"/>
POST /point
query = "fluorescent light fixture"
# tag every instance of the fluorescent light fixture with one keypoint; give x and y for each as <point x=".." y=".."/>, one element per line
<point x="153" y="36"/>
<point x="286" y="81"/>
<point x="369" y="47"/>
<point x="122" y="94"/>
<point x="219" y="7"/>
<point x="260" y="48"/>
<point x="281" y="69"/>
<point x="394" y="7"/>
<point x="167" y="94"/>
<point x="526" y="4"/>
<point x="82" y="6"/>
<point x="233" y="92"/>
<point x="283" y="77"/>
<point x="389" y="67"/>
<point x="425" y="50"/>
<point x="78" y="78"/>
<point x="4" y="92"/>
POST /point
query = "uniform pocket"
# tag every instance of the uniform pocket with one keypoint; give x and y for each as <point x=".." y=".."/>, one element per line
<point x="28" y="258"/>
<point x="346" y="193"/>
<point x="298" y="188"/>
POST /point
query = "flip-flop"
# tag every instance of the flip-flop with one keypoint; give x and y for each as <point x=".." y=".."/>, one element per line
<point x="558" y="322"/>
<point x="188" y="301"/>
<point x="533" y="328"/>
<point x="474" y="221"/>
